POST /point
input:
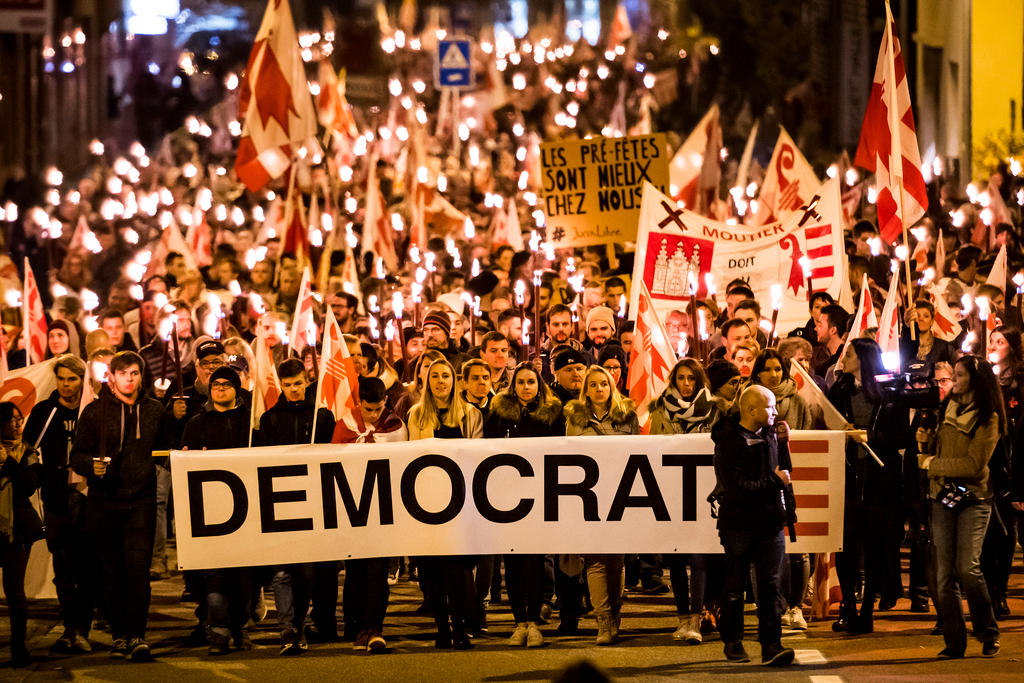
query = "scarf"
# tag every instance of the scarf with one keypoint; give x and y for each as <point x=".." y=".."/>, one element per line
<point x="698" y="409"/>
<point x="16" y="451"/>
<point x="963" y="416"/>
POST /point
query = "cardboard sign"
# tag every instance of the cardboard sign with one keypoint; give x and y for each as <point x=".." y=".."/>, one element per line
<point x="591" y="190"/>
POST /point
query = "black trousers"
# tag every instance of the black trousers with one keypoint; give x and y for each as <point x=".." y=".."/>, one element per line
<point x="524" y="577"/>
<point x="765" y="552"/>
<point x="15" y="561"/>
<point x="230" y="594"/>
<point x="75" y="565"/>
<point x="324" y="596"/>
<point x="366" y="593"/>
<point x="998" y="548"/>
<point x="448" y="583"/>
<point x="124" y="543"/>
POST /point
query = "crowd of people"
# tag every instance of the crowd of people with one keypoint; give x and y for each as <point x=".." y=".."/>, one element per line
<point x="466" y="336"/>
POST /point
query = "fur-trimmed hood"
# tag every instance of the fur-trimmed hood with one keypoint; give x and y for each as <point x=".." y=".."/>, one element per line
<point x="579" y="415"/>
<point x="507" y="407"/>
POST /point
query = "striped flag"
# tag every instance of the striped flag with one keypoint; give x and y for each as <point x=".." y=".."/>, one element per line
<point x="687" y="166"/>
<point x="377" y="231"/>
<point x="651" y="360"/>
<point x="337" y="386"/>
<point x="266" y="385"/>
<point x="303" y="332"/>
<point x="274" y="101"/>
<point x="33" y="318"/>
<point x="888" y="141"/>
<point x="789" y="183"/>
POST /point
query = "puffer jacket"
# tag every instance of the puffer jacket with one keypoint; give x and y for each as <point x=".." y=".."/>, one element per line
<point x="963" y="446"/>
<point x="129" y="433"/>
<point x="508" y="418"/>
<point x="581" y="421"/>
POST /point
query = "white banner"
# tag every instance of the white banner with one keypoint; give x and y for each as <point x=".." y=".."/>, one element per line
<point x="582" y="494"/>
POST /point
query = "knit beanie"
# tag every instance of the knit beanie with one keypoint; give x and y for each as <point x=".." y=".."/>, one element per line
<point x="719" y="372"/>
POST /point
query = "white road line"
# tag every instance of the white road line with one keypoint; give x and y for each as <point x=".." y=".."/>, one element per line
<point x="826" y="679"/>
<point x="810" y="657"/>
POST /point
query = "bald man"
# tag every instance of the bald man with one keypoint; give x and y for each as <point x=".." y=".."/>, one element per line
<point x="752" y="467"/>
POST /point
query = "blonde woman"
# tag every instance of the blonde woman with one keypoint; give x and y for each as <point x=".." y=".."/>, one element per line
<point x="602" y="410"/>
<point x="447" y="581"/>
<point x="414" y="389"/>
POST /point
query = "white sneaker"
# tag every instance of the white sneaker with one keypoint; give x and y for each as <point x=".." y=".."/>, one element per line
<point x="797" y="620"/>
<point x="787" y="618"/>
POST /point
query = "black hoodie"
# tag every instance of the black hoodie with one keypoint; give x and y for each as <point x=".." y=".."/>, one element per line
<point x="52" y="425"/>
<point x="130" y="433"/>
<point x="214" y="429"/>
<point x="292" y="423"/>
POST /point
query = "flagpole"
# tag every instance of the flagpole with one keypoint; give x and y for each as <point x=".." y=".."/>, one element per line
<point x="906" y="243"/>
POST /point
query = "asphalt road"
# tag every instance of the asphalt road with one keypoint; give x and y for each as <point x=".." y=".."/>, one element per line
<point x="901" y="648"/>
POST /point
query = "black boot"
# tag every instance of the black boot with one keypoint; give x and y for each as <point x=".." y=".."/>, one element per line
<point x="443" y="641"/>
<point x="847" y="617"/>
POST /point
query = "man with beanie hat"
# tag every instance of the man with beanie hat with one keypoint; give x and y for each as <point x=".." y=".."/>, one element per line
<point x="437" y="332"/>
<point x="569" y="365"/>
<point x="600" y="328"/>
<point x="230" y="593"/>
<point x="51" y="429"/>
<point x="723" y="381"/>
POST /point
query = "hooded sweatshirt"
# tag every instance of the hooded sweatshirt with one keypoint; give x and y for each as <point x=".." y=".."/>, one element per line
<point x="51" y="428"/>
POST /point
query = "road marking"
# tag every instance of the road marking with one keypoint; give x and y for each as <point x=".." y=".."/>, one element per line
<point x="826" y="679"/>
<point x="810" y="657"/>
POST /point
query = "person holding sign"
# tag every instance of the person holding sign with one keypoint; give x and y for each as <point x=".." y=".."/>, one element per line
<point x="441" y="413"/>
<point x="602" y="410"/>
<point x="525" y="408"/>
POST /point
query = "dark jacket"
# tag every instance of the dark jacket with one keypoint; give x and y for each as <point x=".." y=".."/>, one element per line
<point x="580" y="421"/>
<point x="750" y="495"/>
<point x="508" y="419"/>
<point x="212" y="429"/>
<point x="292" y="423"/>
<point x="563" y="394"/>
<point x="128" y="434"/>
<point x="52" y="436"/>
<point x="23" y="476"/>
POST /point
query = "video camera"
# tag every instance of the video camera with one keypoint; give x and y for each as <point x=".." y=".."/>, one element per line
<point x="914" y="387"/>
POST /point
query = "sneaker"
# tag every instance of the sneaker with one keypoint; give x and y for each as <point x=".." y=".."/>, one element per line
<point x="787" y="618"/>
<point x="289" y="644"/>
<point x="376" y="642"/>
<point x="990" y="649"/>
<point x="219" y="644"/>
<point x="303" y="643"/>
<point x="120" y="649"/>
<point x="689" y="629"/>
<point x="242" y="641"/>
<point x="66" y="643"/>
<point x="138" y="650"/>
<point x="534" y="638"/>
<point x="796" y="620"/>
<point x="81" y="644"/>
<point x="776" y="655"/>
<point x="362" y="641"/>
<point x="734" y="652"/>
<point x="519" y="635"/>
<point x="545" y="612"/>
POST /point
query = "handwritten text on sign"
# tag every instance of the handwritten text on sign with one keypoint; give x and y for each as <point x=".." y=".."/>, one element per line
<point x="591" y="189"/>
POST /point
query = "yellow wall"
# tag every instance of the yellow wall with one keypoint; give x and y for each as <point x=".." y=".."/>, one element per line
<point x="997" y="65"/>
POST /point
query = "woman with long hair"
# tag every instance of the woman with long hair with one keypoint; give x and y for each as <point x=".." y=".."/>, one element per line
<point x="602" y="410"/>
<point x="956" y="458"/>
<point x="872" y="526"/>
<point x="527" y="407"/>
<point x="20" y="525"/>
<point x="442" y="413"/>
<point x="414" y="389"/>
<point x="686" y="407"/>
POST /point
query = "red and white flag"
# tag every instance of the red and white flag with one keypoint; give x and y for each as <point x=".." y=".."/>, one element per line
<point x="274" y="101"/>
<point x="945" y="325"/>
<point x="295" y="239"/>
<point x="687" y="169"/>
<point x="266" y="385"/>
<point x="199" y="238"/>
<point x="620" y="30"/>
<point x="888" y="141"/>
<point x="170" y="241"/>
<point x="863" y="321"/>
<point x="997" y="277"/>
<point x="377" y="230"/>
<point x="651" y="360"/>
<point x="303" y="332"/>
<point x="3" y="356"/>
<point x="505" y="227"/>
<point x="940" y="257"/>
<point x="806" y="388"/>
<point x="25" y="387"/>
<point x="337" y="386"/>
<point x="888" y="337"/>
<point x="332" y="106"/>
<point x="789" y="183"/>
<point x="33" y="318"/>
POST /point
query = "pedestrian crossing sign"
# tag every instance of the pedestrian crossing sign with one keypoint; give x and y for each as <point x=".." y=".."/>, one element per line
<point x="453" y="67"/>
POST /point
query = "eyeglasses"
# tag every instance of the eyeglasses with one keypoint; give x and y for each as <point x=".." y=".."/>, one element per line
<point x="211" y="364"/>
<point x="17" y="420"/>
<point x="944" y="380"/>
<point x="221" y="384"/>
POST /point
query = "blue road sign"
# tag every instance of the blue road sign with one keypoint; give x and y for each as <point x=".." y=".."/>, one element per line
<point x="453" y="66"/>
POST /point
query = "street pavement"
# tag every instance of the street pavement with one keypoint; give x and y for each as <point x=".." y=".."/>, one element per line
<point x="901" y="648"/>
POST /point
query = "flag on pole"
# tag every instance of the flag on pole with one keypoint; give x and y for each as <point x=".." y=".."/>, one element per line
<point x="377" y="230"/>
<point x="33" y="318"/>
<point x="748" y="154"/>
<point x="337" y="386"/>
<point x="274" y="101"/>
<point x="199" y="238"/>
<point x="295" y="239"/>
<point x="685" y="169"/>
<point x="505" y="228"/>
<point x="27" y="386"/>
<point x="863" y="321"/>
<point x="303" y="332"/>
<point x="170" y="241"/>
<point x="888" y="141"/>
<point x="83" y="238"/>
<point x="620" y="30"/>
<point x="945" y="325"/>
<point x="814" y="397"/>
<point x="3" y="356"/>
<point x="789" y="183"/>
<point x="266" y="385"/>
<point x="940" y="257"/>
<point x="332" y="106"/>
<point x="651" y="360"/>
<point x="889" y="326"/>
<point x="997" y="277"/>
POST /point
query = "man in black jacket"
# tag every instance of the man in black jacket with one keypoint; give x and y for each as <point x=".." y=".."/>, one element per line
<point x="751" y="517"/>
<point x="290" y="421"/>
<point x="230" y="593"/>
<point x="113" y="449"/>
<point x="51" y="429"/>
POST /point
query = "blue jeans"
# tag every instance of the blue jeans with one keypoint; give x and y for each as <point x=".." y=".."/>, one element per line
<point x="765" y="552"/>
<point x="958" y="536"/>
<point x="292" y="588"/>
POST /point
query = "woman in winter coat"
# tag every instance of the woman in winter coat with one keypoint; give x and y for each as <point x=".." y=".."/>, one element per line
<point x="772" y="372"/>
<point x="972" y="420"/>
<point x="872" y="526"/>
<point x="602" y="410"/>
<point x="686" y="407"/>
<point x="441" y="413"/>
<point x="525" y="408"/>
<point x="20" y="525"/>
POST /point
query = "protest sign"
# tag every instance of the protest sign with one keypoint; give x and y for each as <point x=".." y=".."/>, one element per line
<point x="678" y="250"/>
<point x="584" y="494"/>
<point x="591" y="189"/>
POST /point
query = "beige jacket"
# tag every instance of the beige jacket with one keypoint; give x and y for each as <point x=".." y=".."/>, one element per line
<point x="962" y="448"/>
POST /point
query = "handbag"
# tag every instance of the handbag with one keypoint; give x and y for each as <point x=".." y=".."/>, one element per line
<point x="954" y="496"/>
